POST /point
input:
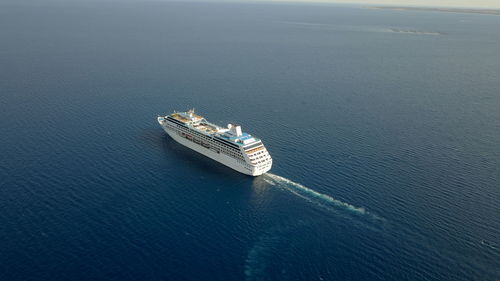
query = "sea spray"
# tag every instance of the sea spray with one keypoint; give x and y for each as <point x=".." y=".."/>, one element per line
<point x="314" y="196"/>
<point x="489" y="245"/>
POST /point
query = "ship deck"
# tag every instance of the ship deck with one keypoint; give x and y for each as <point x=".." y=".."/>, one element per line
<point x="206" y="128"/>
<point x="202" y="125"/>
<point x="183" y="119"/>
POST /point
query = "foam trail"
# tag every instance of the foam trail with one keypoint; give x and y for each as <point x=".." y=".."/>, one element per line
<point x="489" y="245"/>
<point x="314" y="196"/>
<point x="269" y="182"/>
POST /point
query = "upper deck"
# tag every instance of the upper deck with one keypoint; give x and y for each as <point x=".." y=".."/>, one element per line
<point x="186" y="117"/>
<point x="232" y="133"/>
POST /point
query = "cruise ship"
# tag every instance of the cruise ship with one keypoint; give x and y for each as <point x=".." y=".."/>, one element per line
<point x="229" y="146"/>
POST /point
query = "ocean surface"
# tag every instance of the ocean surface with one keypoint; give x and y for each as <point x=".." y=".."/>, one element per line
<point x="384" y="128"/>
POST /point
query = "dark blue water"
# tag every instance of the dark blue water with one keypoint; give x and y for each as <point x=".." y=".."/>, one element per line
<point x="386" y="144"/>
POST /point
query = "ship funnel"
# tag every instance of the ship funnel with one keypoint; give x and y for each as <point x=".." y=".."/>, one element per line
<point x="235" y="130"/>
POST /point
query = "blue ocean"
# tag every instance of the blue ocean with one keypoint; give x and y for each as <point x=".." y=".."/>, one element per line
<point x="383" y="125"/>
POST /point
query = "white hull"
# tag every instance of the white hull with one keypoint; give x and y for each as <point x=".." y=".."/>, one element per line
<point x="219" y="157"/>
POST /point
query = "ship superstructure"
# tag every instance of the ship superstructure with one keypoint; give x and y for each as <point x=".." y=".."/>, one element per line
<point x="229" y="146"/>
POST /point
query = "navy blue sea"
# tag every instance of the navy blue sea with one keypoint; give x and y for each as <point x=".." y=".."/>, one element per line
<point x="384" y="127"/>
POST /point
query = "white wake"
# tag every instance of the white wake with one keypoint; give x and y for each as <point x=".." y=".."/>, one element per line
<point x="314" y="196"/>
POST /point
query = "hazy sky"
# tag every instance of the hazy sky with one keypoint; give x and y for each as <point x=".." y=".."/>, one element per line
<point x="431" y="3"/>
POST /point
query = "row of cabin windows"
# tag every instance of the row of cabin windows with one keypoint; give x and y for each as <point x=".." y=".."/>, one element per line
<point x="256" y="155"/>
<point x="259" y="157"/>
<point x="183" y="128"/>
<point x="221" y="140"/>
<point x="230" y="152"/>
<point x="263" y="161"/>
<point x="223" y="148"/>
<point x="186" y="130"/>
<point x="253" y="146"/>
